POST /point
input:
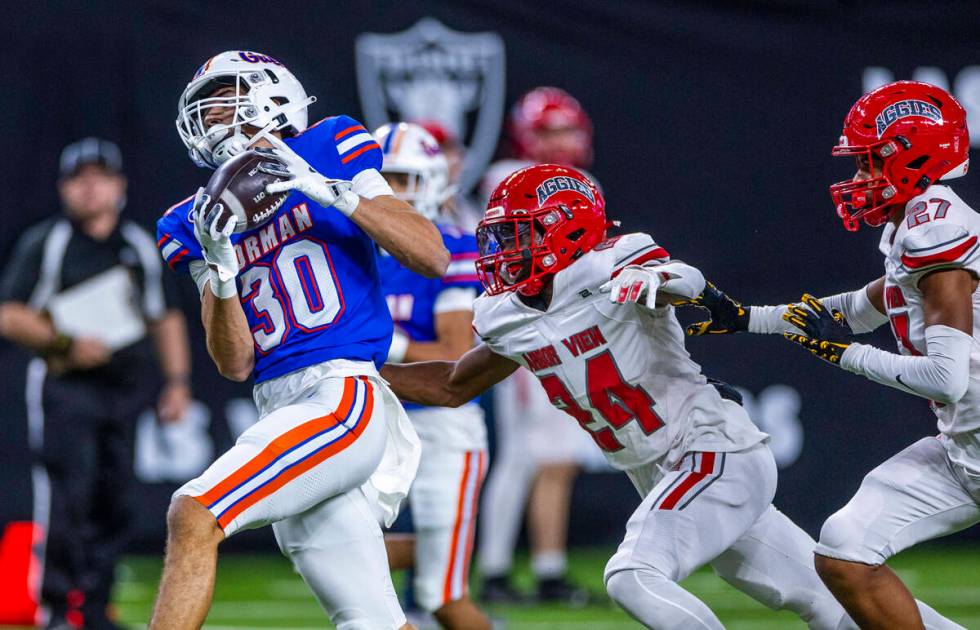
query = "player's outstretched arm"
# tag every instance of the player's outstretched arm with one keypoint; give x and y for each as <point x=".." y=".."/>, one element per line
<point x="404" y="233"/>
<point x="393" y="224"/>
<point x="863" y="309"/>
<point x="725" y="314"/>
<point x="942" y="374"/>
<point x="656" y="284"/>
<point x="454" y="338"/>
<point x="449" y="383"/>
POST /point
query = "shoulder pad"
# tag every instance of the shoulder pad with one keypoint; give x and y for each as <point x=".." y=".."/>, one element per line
<point x="931" y="247"/>
<point x="496" y="315"/>
<point x="637" y="248"/>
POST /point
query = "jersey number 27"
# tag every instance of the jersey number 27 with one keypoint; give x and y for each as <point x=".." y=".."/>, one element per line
<point x="618" y="402"/>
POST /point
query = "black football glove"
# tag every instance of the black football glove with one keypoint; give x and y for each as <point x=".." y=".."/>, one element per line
<point x="825" y="333"/>
<point x="727" y="315"/>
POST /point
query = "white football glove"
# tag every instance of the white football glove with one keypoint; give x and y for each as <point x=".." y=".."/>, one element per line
<point x="216" y="245"/>
<point x="633" y="284"/>
<point x="327" y="192"/>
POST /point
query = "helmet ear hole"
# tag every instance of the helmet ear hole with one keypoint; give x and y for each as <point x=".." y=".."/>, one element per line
<point x="577" y="234"/>
<point x="917" y="162"/>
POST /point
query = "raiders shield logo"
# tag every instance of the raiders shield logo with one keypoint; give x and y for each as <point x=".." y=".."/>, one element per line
<point x="431" y="72"/>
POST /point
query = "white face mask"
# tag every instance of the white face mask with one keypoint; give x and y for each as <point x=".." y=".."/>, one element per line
<point x="235" y="144"/>
<point x="266" y="96"/>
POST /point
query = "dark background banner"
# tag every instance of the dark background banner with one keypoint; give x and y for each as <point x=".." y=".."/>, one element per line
<point x="713" y="132"/>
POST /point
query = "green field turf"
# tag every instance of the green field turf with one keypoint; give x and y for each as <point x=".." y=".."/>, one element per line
<point x="261" y="591"/>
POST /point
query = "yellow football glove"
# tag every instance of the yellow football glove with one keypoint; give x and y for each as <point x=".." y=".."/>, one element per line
<point x="825" y="333"/>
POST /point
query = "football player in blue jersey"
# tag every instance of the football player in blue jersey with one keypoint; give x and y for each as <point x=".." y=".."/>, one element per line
<point x="434" y="322"/>
<point x="297" y="304"/>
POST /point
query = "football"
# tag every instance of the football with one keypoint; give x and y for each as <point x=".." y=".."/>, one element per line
<point x="239" y="186"/>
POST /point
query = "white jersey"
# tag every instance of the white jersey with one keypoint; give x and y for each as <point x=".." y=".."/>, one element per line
<point x="620" y="370"/>
<point x="939" y="232"/>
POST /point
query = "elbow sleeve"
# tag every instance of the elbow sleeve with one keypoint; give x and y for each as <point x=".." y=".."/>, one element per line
<point x="954" y="346"/>
<point x="943" y="374"/>
<point x="369" y="184"/>
<point x="680" y="279"/>
<point x="860" y="313"/>
<point x="768" y="320"/>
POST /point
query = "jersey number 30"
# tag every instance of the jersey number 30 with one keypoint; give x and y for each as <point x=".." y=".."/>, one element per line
<point x="617" y="401"/>
<point x="296" y="290"/>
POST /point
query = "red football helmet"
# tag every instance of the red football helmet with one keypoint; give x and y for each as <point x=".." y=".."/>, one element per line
<point x="548" y="125"/>
<point x="538" y="221"/>
<point x="439" y="131"/>
<point x="915" y="132"/>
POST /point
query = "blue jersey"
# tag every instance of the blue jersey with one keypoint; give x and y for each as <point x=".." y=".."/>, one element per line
<point x="412" y="298"/>
<point x="308" y="282"/>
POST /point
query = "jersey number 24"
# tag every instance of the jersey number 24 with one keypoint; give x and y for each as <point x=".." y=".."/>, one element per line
<point x="618" y="402"/>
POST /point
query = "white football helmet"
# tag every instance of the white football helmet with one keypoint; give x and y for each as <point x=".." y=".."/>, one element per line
<point x="410" y="149"/>
<point x="267" y="96"/>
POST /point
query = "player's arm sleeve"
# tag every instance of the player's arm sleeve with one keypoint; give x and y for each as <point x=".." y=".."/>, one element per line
<point x="860" y="313"/>
<point x="454" y="299"/>
<point x="923" y="250"/>
<point x="943" y="374"/>
<point x="23" y="270"/>
<point x="176" y="241"/>
<point x="198" y="270"/>
<point x="370" y="184"/>
<point x="360" y="157"/>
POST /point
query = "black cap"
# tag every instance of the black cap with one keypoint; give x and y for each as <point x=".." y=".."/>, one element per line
<point x="90" y="151"/>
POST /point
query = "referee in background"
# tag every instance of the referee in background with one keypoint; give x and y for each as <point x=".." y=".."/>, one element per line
<point x="86" y="293"/>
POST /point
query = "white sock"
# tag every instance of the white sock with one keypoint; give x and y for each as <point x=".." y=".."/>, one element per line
<point x="930" y="619"/>
<point x="502" y="505"/>
<point x="549" y="565"/>
<point x="656" y="602"/>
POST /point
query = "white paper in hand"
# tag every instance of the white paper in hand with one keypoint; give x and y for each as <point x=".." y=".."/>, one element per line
<point x="104" y="307"/>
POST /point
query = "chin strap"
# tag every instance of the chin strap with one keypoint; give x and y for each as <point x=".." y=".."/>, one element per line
<point x="532" y="288"/>
<point x="931" y="176"/>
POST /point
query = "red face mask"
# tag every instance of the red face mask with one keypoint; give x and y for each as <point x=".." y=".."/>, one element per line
<point x="538" y="221"/>
<point x="915" y="132"/>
